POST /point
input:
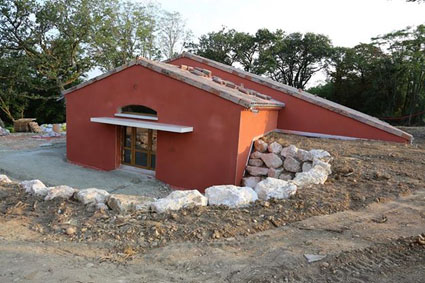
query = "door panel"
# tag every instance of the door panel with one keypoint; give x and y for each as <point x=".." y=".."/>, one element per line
<point x="139" y="147"/>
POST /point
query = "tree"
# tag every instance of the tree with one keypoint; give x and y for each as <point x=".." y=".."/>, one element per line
<point x="217" y="46"/>
<point x="293" y="59"/>
<point x="385" y="78"/>
<point x="172" y="34"/>
<point x="52" y="35"/>
<point x="56" y="42"/>
<point x="123" y="32"/>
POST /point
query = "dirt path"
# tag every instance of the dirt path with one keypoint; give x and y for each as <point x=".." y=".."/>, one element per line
<point x="374" y="244"/>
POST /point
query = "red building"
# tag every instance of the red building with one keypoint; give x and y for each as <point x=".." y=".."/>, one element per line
<point x="192" y="121"/>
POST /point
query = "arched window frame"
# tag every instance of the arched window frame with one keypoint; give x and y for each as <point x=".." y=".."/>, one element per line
<point x="137" y="115"/>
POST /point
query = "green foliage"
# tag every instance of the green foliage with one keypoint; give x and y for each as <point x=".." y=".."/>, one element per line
<point x="294" y="58"/>
<point x="385" y="78"/>
<point x="172" y="34"/>
<point x="291" y="59"/>
<point x="48" y="46"/>
<point x="217" y="46"/>
<point x="122" y="32"/>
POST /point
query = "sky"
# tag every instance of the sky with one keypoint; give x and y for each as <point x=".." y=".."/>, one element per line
<point x="346" y="22"/>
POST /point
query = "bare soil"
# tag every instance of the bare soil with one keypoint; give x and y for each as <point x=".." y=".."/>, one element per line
<point x="366" y="219"/>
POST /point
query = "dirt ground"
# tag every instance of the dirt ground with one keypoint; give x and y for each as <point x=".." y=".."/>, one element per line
<point x="365" y="220"/>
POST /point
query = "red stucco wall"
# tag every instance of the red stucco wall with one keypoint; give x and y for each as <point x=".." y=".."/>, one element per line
<point x="205" y="157"/>
<point x="252" y="125"/>
<point x="300" y="115"/>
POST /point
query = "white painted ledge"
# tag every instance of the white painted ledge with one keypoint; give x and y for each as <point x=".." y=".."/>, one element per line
<point x="142" y="124"/>
<point x="143" y="117"/>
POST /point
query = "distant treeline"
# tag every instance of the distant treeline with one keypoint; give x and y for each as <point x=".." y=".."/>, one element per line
<point x="384" y="78"/>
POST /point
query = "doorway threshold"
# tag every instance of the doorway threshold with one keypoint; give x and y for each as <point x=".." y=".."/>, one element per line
<point x="133" y="169"/>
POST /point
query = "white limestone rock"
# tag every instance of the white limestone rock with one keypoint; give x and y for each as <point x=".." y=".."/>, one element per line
<point x="303" y="155"/>
<point x="65" y="192"/>
<point x="316" y="175"/>
<point x="289" y="151"/>
<point x="275" y="148"/>
<point x="101" y="206"/>
<point x="271" y="160"/>
<point x="274" y="173"/>
<point x="92" y="196"/>
<point x="260" y="145"/>
<point x="230" y="195"/>
<point x="4" y="179"/>
<point x="256" y="155"/>
<point x="307" y="166"/>
<point x="179" y="199"/>
<point x="286" y="176"/>
<point x="34" y="187"/>
<point x="4" y="132"/>
<point x="250" y="181"/>
<point x="291" y="164"/>
<point x="257" y="171"/>
<point x="126" y="203"/>
<point x="321" y="154"/>
<point x="255" y="162"/>
<point x="325" y="165"/>
<point x="275" y="188"/>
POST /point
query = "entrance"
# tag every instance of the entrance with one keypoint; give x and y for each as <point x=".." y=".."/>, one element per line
<point x="139" y="147"/>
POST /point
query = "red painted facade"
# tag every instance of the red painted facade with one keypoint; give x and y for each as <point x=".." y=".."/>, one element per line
<point x="214" y="153"/>
<point x="303" y="116"/>
<point x="217" y="150"/>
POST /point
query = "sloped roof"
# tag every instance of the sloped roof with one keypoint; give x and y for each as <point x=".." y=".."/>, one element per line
<point x="298" y="93"/>
<point x="199" y="78"/>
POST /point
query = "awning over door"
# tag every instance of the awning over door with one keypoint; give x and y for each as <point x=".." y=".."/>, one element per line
<point x="143" y="124"/>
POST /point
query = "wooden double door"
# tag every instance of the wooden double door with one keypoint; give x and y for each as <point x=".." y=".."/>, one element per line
<point x="139" y="147"/>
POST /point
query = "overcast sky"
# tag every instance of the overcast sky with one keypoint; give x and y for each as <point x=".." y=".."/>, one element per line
<point x="346" y="22"/>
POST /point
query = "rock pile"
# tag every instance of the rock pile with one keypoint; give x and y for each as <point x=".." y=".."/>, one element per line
<point x="291" y="164"/>
<point x="4" y="132"/>
<point x="53" y="130"/>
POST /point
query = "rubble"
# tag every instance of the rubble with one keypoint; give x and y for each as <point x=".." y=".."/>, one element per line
<point x="324" y="165"/>
<point x="257" y="171"/>
<point x="321" y="154"/>
<point x="62" y="191"/>
<point x="317" y="175"/>
<point x="4" y="132"/>
<point x="250" y="181"/>
<point x="275" y="148"/>
<point x="286" y="176"/>
<point x="275" y="188"/>
<point x="34" y="187"/>
<point x="179" y="199"/>
<point x="292" y="165"/>
<point x="303" y="155"/>
<point x="291" y="162"/>
<point x="255" y="162"/>
<point x="92" y="196"/>
<point x="4" y="179"/>
<point x="274" y="173"/>
<point x="126" y="203"/>
<point x="289" y="151"/>
<point x="307" y="166"/>
<point x="271" y="160"/>
<point x="260" y="145"/>
<point x="230" y="196"/>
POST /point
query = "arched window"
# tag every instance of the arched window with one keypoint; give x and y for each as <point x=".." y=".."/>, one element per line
<point x="137" y="111"/>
